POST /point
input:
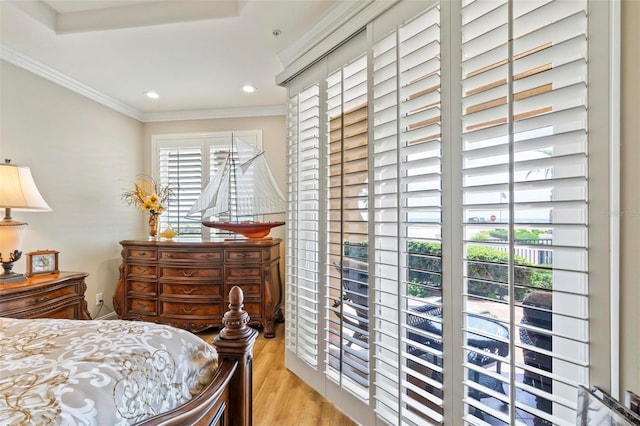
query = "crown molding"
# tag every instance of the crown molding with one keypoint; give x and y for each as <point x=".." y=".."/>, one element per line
<point x="336" y="17"/>
<point x="204" y="114"/>
<point x="339" y="24"/>
<point x="144" y="14"/>
<point x="23" y="61"/>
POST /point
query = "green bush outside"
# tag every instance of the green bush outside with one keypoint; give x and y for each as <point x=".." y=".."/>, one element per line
<point x="425" y="268"/>
<point x="503" y="234"/>
<point x="487" y="270"/>
<point x="488" y="274"/>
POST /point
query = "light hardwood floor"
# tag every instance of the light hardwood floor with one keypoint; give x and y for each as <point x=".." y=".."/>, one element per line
<point x="279" y="396"/>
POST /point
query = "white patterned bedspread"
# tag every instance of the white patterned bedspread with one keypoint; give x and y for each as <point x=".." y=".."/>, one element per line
<point x="66" y="372"/>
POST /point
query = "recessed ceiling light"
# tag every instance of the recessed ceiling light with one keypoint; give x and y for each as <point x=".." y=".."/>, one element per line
<point x="248" y="89"/>
<point x="152" y="95"/>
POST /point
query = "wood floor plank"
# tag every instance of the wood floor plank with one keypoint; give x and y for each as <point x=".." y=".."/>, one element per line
<point x="279" y="396"/>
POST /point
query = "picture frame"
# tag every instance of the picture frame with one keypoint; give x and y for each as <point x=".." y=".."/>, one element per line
<point x="42" y="262"/>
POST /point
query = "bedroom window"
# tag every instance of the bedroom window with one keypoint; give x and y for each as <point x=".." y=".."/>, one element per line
<point x="187" y="162"/>
<point x="455" y="196"/>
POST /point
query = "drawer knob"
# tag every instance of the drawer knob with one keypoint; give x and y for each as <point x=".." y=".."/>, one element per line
<point x="42" y="299"/>
<point x="143" y="253"/>
<point x="188" y="290"/>
<point x="188" y="310"/>
<point x="186" y="273"/>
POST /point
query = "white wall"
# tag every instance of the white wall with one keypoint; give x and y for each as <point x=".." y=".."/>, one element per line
<point x="81" y="155"/>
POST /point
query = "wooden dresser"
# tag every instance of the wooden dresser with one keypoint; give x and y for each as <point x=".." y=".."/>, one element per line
<point x="46" y="296"/>
<point x="184" y="282"/>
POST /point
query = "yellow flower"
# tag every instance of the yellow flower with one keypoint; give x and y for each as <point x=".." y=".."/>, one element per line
<point x="148" y="196"/>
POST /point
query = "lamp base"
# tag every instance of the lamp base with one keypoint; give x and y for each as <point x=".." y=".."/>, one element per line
<point x="11" y="278"/>
<point x="8" y="276"/>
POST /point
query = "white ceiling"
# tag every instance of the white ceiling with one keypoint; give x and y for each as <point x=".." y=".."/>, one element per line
<point x="197" y="54"/>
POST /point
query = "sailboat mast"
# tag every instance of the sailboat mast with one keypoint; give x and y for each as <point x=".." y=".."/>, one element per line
<point x="233" y="216"/>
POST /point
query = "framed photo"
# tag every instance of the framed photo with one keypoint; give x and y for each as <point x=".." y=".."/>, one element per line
<point x="42" y="262"/>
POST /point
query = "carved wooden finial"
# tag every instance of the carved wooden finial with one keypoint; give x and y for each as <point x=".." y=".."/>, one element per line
<point x="235" y="319"/>
<point x="236" y="297"/>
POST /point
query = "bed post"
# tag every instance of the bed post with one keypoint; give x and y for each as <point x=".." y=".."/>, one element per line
<point x="235" y="342"/>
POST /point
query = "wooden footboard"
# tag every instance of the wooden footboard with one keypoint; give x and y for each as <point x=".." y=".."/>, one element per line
<point x="227" y="399"/>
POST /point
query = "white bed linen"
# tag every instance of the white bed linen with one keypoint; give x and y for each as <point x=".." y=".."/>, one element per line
<point x="68" y="372"/>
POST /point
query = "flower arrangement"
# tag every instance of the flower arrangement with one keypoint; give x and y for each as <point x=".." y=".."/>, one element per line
<point x="148" y="195"/>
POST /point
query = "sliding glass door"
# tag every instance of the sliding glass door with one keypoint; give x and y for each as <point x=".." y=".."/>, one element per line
<point x="444" y="237"/>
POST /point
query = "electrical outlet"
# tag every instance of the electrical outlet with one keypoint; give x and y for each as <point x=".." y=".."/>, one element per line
<point x="99" y="299"/>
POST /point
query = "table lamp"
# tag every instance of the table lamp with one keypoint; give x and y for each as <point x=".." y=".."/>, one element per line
<point x="18" y="191"/>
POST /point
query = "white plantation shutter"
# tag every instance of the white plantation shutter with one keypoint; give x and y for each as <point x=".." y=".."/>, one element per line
<point x="181" y="167"/>
<point x="302" y="292"/>
<point x="463" y="179"/>
<point x="187" y="162"/>
<point x="347" y="303"/>
<point x="525" y="169"/>
<point x="407" y="216"/>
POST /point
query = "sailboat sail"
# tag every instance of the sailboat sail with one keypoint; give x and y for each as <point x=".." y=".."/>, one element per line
<point x="243" y="187"/>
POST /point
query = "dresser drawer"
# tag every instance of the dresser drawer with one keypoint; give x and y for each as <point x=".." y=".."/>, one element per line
<point x="248" y="289"/>
<point x="141" y="306"/>
<point x="211" y="256"/>
<point x="192" y="309"/>
<point x="248" y="272"/>
<point x="142" y="270"/>
<point x="45" y="296"/>
<point x="192" y="290"/>
<point x="191" y="273"/>
<point x="243" y="255"/>
<point x="134" y="253"/>
<point x="191" y="323"/>
<point x="141" y="287"/>
<point x="254" y="309"/>
<point x="65" y="312"/>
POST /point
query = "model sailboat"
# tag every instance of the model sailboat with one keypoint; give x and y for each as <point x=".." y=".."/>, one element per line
<point x="242" y="189"/>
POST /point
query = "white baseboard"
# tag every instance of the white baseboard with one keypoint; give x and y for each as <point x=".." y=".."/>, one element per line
<point x="109" y="316"/>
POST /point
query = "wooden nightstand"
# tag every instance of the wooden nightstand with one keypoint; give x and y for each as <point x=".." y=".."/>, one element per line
<point x="46" y="296"/>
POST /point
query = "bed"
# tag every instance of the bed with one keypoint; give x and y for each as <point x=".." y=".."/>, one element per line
<point x="115" y="372"/>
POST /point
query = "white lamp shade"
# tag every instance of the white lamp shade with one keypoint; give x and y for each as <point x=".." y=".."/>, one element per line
<point x="18" y="190"/>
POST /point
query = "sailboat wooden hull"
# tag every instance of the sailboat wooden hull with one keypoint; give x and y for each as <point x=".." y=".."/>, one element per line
<point x="247" y="229"/>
